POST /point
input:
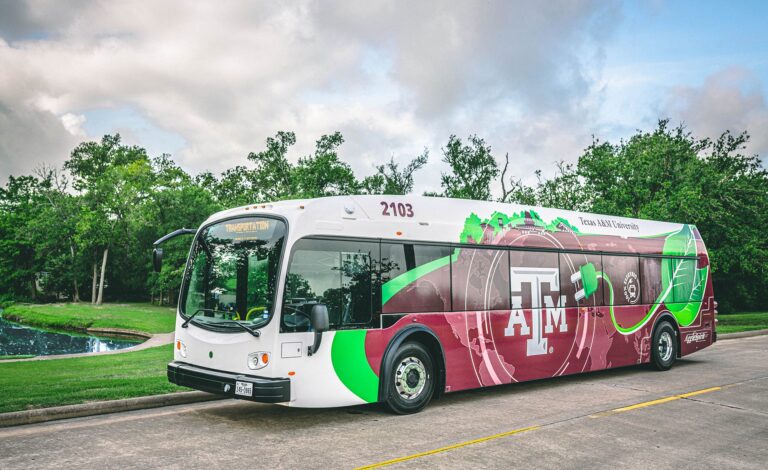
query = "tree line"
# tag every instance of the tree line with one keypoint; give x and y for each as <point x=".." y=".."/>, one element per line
<point x="83" y="232"/>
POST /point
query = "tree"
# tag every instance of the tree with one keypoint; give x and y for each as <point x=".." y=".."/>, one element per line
<point x="473" y="168"/>
<point x="19" y="200"/>
<point x="53" y="233"/>
<point x="390" y="179"/>
<point x="272" y="177"/>
<point x="113" y="178"/>
<point x="565" y="190"/>
<point x="323" y="174"/>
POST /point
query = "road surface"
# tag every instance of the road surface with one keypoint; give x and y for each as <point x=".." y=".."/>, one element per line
<point x="710" y="410"/>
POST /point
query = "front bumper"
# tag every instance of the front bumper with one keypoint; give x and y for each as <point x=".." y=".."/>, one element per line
<point x="265" y="390"/>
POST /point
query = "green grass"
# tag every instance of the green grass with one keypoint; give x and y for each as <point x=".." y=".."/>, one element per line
<point x="80" y="316"/>
<point x="40" y="384"/>
<point x="20" y="356"/>
<point x="736" y="322"/>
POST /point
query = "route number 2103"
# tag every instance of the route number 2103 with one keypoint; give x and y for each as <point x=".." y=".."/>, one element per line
<point x="396" y="209"/>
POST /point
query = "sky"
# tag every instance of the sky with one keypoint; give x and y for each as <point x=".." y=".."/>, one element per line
<point x="208" y="82"/>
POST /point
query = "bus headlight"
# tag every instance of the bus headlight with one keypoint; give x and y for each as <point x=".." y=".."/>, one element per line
<point x="181" y="348"/>
<point x="258" y="360"/>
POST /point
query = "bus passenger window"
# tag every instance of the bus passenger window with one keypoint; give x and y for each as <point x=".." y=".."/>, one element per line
<point x="480" y="280"/>
<point x="580" y="281"/>
<point x="650" y="279"/>
<point x="624" y="274"/>
<point x="415" y="278"/>
<point x="339" y="274"/>
<point x="534" y="279"/>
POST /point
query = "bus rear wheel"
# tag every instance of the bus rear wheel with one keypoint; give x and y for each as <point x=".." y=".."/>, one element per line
<point x="663" y="347"/>
<point x="412" y="379"/>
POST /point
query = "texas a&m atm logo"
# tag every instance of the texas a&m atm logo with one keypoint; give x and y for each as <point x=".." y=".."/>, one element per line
<point x="543" y="320"/>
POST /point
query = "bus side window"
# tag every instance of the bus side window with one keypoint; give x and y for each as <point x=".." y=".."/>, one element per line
<point x="480" y="280"/>
<point x="577" y="265"/>
<point x="650" y="279"/>
<point x="415" y="278"/>
<point x="521" y="265"/>
<point x="624" y="274"/>
<point x="338" y="273"/>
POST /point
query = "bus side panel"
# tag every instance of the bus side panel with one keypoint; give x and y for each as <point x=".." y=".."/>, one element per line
<point x="487" y="348"/>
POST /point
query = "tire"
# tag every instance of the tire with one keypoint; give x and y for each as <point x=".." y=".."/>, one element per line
<point x="412" y="379"/>
<point x="663" y="346"/>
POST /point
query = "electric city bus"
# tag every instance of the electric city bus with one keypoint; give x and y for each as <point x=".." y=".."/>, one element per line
<point x="398" y="299"/>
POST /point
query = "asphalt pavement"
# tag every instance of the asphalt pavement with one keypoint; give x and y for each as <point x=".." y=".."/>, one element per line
<point x="710" y="410"/>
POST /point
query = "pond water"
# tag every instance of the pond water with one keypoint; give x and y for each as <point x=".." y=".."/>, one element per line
<point x="16" y="339"/>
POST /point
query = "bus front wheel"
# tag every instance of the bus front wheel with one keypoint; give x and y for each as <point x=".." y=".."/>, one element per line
<point x="412" y="379"/>
<point x="663" y="347"/>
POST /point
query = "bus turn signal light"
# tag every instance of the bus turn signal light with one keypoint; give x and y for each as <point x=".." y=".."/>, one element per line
<point x="181" y="347"/>
<point x="258" y="360"/>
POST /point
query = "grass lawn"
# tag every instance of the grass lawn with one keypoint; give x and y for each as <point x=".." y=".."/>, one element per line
<point x="735" y="322"/>
<point x="80" y="316"/>
<point x="40" y="384"/>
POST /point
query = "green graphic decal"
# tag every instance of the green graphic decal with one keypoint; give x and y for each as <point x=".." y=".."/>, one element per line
<point x="393" y="286"/>
<point x="474" y="226"/>
<point x="682" y="283"/>
<point x="351" y="364"/>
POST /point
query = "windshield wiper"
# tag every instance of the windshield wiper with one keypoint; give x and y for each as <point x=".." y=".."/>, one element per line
<point x="189" y="318"/>
<point x="255" y="333"/>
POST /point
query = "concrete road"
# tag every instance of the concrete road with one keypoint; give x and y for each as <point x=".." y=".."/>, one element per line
<point x="710" y="410"/>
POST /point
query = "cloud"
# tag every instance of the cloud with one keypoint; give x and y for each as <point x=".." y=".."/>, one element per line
<point x="731" y="99"/>
<point x="393" y="77"/>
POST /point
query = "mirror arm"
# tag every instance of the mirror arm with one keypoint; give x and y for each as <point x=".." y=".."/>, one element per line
<point x="318" y="338"/>
<point x="174" y="234"/>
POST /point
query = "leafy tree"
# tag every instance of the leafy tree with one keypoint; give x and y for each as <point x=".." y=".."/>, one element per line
<point x="323" y="174"/>
<point x="113" y="178"/>
<point x="390" y="179"/>
<point x="53" y="230"/>
<point x="564" y="191"/>
<point x="19" y="200"/>
<point x="473" y="169"/>
<point x="272" y="177"/>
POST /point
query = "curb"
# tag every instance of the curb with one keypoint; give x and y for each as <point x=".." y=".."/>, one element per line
<point x="119" y="331"/>
<point x="102" y="407"/>
<point x="742" y="334"/>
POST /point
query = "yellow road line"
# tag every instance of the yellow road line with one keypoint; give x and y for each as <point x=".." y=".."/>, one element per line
<point x="451" y="447"/>
<point x="531" y="428"/>
<point x="656" y="402"/>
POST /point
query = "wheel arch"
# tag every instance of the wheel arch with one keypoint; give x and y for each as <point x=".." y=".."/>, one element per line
<point x="428" y="339"/>
<point x="667" y="316"/>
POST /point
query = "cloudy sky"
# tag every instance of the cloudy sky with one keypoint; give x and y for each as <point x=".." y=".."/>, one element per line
<point x="208" y="81"/>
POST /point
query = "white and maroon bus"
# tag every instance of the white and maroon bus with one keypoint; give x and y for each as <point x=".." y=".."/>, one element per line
<point x="397" y="299"/>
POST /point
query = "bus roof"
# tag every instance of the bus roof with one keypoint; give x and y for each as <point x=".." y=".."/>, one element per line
<point x="446" y="220"/>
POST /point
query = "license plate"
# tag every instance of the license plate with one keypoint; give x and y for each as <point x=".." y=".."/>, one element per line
<point x="244" y="388"/>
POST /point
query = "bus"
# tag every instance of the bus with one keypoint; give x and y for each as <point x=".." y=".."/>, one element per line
<point x="349" y="300"/>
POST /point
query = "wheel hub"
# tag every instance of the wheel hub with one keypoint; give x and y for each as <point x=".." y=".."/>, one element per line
<point x="410" y="378"/>
<point x="665" y="346"/>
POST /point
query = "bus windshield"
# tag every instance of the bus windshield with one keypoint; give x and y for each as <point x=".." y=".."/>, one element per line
<point x="232" y="273"/>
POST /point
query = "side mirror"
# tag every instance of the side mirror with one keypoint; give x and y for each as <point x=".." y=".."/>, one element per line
<point x="157" y="259"/>
<point x="318" y="318"/>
